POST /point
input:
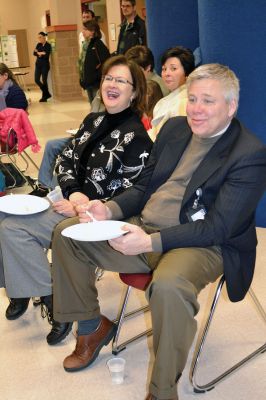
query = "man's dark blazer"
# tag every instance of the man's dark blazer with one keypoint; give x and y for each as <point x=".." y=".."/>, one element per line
<point x="232" y="177"/>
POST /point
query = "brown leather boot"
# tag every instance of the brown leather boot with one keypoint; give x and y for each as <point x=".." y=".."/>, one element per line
<point x="89" y="346"/>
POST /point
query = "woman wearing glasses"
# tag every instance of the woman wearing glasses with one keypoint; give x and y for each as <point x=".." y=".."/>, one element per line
<point x="104" y="158"/>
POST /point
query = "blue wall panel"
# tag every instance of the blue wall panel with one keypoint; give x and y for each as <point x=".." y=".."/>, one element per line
<point x="171" y="23"/>
<point x="234" y="33"/>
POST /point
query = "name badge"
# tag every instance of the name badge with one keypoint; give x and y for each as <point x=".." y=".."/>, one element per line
<point x="194" y="215"/>
<point x="197" y="211"/>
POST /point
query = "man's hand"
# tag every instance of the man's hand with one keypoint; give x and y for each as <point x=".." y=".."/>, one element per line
<point x="64" y="207"/>
<point x="136" y="241"/>
<point x="98" y="209"/>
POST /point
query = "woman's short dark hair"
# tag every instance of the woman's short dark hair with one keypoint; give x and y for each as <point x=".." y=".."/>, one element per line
<point x="93" y="26"/>
<point x="184" y="55"/>
<point x="5" y="70"/>
<point x="142" y="55"/>
<point x="138" y="80"/>
<point x="42" y="33"/>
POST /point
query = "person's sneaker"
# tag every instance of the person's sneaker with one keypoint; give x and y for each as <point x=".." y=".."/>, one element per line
<point x="40" y="191"/>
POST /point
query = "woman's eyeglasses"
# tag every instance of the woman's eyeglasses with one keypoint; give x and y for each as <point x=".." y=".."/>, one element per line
<point x="118" y="80"/>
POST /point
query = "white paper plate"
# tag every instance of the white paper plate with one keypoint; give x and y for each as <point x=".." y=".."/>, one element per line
<point x="23" y="204"/>
<point x="95" y="231"/>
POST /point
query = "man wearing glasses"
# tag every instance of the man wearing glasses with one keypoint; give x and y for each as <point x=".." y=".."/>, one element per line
<point x="133" y="30"/>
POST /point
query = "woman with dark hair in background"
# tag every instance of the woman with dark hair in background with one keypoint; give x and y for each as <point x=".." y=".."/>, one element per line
<point x="93" y="55"/>
<point x="11" y="94"/>
<point x="42" y="65"/>
<point x="177" y="63"/>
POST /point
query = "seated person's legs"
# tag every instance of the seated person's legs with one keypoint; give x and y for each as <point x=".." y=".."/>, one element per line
<point x="75" y="294"/>
<point x="46" y="178"/>
<point x="178" y="278"/>
<point x="78" y="260"/>
<point x="25" y="268"/>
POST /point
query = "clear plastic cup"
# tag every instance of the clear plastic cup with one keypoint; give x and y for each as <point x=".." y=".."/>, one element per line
<point x="55" y="195"/>
<point x="117" y="369"/>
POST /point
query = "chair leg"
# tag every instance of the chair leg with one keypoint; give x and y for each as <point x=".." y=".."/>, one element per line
<point x="199" y="349"/>
<point x="26" y="155"/>
<point x="116" y="348"/>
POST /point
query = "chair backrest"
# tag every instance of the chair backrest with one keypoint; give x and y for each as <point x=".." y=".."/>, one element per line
<point x="18" y="121"/>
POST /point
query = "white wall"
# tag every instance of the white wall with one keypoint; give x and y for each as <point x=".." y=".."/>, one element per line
<point x="29" y="14"/>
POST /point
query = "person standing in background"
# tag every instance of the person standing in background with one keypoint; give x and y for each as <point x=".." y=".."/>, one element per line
<point x="93" y="55"/>
<point x="88" y="15"/>
<point x="11" y="94"/>
<point x="42" y="65"/>
<point x="133" y="29"/>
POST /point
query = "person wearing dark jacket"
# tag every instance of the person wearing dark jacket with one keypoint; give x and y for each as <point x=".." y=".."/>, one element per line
<point x="42" y="66"/>
<point x="189" y="218"/>
<point x="93" y="54"/>
<point x="11" y="94"/>
<point x="133" y="29"/>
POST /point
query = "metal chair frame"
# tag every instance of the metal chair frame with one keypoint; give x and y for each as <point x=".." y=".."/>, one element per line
<point x="122" y="316"/>
<point x="202" y="338"/>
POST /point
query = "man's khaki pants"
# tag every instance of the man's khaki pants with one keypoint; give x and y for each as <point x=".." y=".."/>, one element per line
<point x="179" y="275"/>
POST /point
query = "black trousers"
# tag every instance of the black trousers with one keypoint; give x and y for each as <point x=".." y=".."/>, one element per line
<point x="41" y="74"/>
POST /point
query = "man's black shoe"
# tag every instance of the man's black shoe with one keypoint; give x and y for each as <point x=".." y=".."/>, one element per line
<point x="17" y="307"/>
<point x="58" y="332"/>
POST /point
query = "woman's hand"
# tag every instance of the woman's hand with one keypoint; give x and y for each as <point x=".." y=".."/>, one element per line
<point x="98" y="209"/>
<point x="78" y="198"/>
<point x="64" y="207"/>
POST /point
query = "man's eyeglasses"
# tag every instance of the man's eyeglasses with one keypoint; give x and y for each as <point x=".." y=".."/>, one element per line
<point x="118" y="80"/>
